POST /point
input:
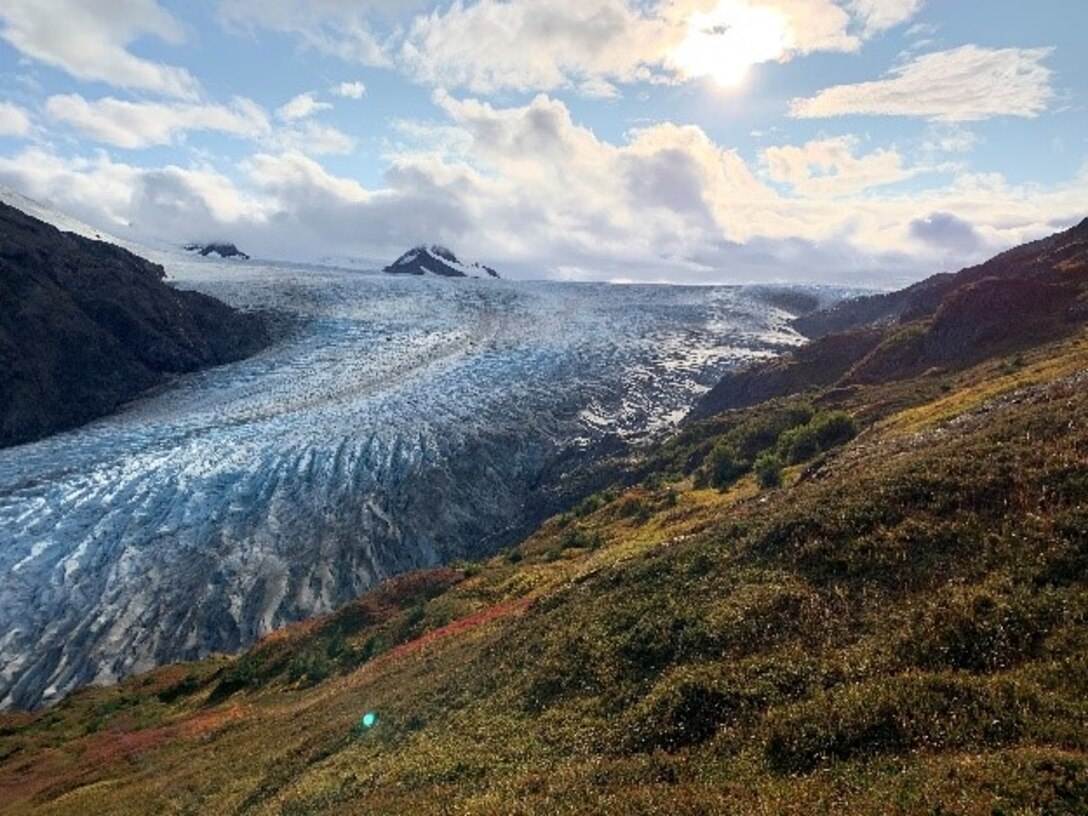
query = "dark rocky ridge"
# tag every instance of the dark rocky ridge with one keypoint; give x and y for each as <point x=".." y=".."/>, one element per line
<point x="86" y="326"/>
<point x="437" y="260"/>
<point x="1028" y="295"/>
<point x="220" y="249"/>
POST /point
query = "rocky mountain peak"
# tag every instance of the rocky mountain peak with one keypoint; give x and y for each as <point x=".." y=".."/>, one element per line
<point x="437" y="260"/>
<point x="223" y="250"/>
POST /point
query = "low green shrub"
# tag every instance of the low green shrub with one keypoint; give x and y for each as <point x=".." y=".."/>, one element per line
<point x="768" y="470"/>
<point x="724" y="467"/>
<point x="799" y="444"/>
<point x="833" y="428"/>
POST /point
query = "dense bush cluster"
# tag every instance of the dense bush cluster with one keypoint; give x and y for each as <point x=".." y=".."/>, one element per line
<point x="769" y="440"/>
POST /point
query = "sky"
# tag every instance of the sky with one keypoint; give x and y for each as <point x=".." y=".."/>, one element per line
<point x="866" y="142"/>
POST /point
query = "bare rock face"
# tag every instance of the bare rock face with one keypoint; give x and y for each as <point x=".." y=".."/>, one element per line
<point x="86" y="326"/>
<point x="219" y="250"/>
<point x="437" y="261"/>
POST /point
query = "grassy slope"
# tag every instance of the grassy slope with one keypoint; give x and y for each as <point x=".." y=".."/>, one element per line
<point x="899" y="629"/>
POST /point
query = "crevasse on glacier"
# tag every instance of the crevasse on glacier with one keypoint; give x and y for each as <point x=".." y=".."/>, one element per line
<point x="405" y="423"/>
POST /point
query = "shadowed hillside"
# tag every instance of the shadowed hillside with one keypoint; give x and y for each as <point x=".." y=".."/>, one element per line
<point x="86" y="326"/>
<point x="1022" y="297"/>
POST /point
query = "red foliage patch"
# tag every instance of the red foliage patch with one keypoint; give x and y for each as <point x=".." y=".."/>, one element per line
<point x="481" y="618"/>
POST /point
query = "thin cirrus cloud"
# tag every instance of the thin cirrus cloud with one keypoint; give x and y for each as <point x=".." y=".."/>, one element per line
<point x="137" y="125"/>
<point x="965" y="84"/>
<point x="302" y="106"/>
<point x="350" y="90"/>
<point x="90" y="41"/>
<point x="880" y="15"/>
<point x="14" y="120"/>
<point x="345" y="29"/>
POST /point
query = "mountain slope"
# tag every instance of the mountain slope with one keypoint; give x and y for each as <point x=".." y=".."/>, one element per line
<point x="1065" y="252"/>
<point x="85" y="326"/>
<point x="898" y="628"/>
<point x="1023" y="297"/>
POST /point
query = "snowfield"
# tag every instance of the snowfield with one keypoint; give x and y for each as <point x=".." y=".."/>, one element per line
<point x="403" y="423"/>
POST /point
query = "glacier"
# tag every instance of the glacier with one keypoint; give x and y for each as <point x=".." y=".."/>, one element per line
<point x="400" y="423"/>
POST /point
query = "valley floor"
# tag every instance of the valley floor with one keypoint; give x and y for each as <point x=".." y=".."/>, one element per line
<point x="404" y="423"/>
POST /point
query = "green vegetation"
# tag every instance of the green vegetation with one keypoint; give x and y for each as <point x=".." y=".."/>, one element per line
<point x="799" y="444"/>
<point x="870" y="599"/>
<point x="763" y="440"/>
<point x="768" y="470"/>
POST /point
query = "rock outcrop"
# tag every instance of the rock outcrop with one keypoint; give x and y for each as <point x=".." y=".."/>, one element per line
<point x="218" y="249"/>
<point x="437" y="260"/>
<point x="86" y="326"/>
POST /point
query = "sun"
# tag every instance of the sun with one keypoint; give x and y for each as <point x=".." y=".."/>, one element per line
<point x="726" y="42"/>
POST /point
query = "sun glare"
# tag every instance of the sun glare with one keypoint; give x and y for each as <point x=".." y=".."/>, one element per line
<point x="726" y="42"/>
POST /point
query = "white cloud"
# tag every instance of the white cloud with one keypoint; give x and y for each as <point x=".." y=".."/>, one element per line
<point x="964" y="84"/>
<point x="949" y="137"/>
<point x="534" y="192"/>
<point x="313" y="138"/>
<point x="725" y="38"/>
<point x="135" y="125"/>
<point x="812" y="25"/>
<point x="282" y="14"/>
<point x="549" y="180"/>
<point x="880" y="15"/>
<point x="350" y="90"/>
<point x="304" y="136"/>
<point x="589" y="46"/>
<point x="131" y="200"/>
<point x="138" y="125"/>
<point x="14" y="120"/>
<point x="301" y="107"/>
<point x="90" y="41"/>
<point x="292" y="173"/>
<point x="291" y="208"/>
<point x="96" y="190"/>
<point x="829" y="167"/>
<point x="592" y="45"/>
<point x="532" y="45"/>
